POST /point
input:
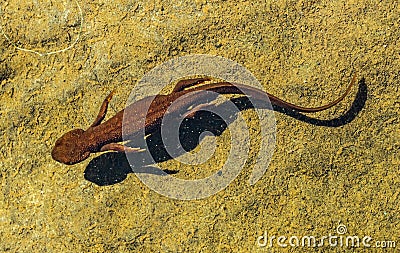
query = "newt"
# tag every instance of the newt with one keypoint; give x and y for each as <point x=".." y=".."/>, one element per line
<point x="77" y="144"/>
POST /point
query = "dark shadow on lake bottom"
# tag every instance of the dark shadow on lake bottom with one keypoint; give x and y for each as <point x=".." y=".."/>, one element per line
<point x="111" y="168"/>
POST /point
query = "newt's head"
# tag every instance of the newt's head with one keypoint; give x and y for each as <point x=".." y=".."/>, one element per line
<point x="68" y="148"/>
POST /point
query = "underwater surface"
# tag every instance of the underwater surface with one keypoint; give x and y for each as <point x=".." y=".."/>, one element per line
<point x="334" y="172"/>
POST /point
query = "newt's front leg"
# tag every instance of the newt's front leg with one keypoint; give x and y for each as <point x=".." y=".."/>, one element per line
<point x="103" y="110"/>
<point x="120" y="148"/>
<point x="100" y="117"/>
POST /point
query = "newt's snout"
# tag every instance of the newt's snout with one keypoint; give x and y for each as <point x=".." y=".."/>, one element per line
<point x="68" y="148"/>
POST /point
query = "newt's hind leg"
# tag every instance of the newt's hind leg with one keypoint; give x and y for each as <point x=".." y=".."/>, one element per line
<point x="103" y="110"/>
<point x="183" y="84"/>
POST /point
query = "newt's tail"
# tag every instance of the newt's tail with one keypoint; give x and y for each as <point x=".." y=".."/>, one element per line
<point x="287" y="105"/>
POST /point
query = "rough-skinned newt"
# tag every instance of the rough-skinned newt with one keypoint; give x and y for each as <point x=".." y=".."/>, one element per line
<point x="76" y="145"/>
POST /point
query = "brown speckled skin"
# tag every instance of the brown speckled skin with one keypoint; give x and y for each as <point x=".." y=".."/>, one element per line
<point x="76" y="145"/>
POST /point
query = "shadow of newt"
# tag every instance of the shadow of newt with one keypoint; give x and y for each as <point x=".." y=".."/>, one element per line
<point x="111" y="168"/>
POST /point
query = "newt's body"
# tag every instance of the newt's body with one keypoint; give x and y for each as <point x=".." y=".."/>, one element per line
<point x="76" y="145"/>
